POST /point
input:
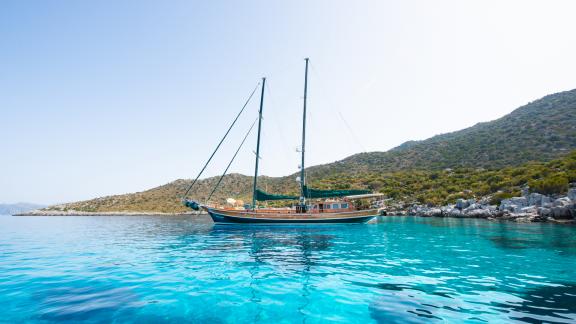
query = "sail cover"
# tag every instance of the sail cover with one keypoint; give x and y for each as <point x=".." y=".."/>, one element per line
<point x="315" y="193"/>
<point x="310" y="193"/>
<point x="263" y="196"/>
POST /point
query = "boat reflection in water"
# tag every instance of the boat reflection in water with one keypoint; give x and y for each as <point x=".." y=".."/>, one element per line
<point x="277" y="244"/>
<point x="293" y="253"/>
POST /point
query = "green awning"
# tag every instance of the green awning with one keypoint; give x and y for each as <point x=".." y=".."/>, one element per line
<point x="316" y="193"/>
<point x="263" y="196"/>
<point x="310" y="193"/>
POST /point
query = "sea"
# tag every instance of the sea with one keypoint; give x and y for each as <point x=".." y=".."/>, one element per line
<point x="185" y="269"/>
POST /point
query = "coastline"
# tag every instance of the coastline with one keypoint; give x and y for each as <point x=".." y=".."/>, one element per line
<point x="201" y="214"/>
<point x="117" y="213"/>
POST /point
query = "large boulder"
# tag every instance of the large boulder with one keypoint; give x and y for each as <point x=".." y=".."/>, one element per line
<point x="562" y="202"/>
<point x="417" y="210"/>
<point x="544" y="212"/>
<point x="572" y="194"/>
<point x="529" y="210"/>
<point x="565" y="212"/>
<point x="479" y="213"/>
<point x="454" y="212"/>
<point x="514" y="204"/>
<point x="536" y="199"/>
<point x="433" y="212"/>
<point x="462" y="203"/>
<point x="563" y="208"/>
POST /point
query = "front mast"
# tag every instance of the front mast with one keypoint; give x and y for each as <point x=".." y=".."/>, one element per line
<point x="258" y="145"/>
<point x="303" y="149"/>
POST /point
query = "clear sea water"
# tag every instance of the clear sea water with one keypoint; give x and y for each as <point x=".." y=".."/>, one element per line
<point x="177" y="269"/>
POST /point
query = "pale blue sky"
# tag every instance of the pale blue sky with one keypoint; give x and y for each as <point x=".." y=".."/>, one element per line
<point x="108" y="97"/>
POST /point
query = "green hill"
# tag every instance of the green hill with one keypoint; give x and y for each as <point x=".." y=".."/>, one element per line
<point x="492" y="157"/>
<point x="539" y="131"/>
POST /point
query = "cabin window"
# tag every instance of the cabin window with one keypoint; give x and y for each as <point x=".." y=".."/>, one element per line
<point x="334" y="206"/>
<point x="327" y="206"/>
<point x="345" y="206"/>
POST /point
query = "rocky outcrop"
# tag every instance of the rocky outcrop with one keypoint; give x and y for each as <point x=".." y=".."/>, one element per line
<point x="462" y="208"/>
<point x="532" y="207"/>
<point x="542" y="207"/>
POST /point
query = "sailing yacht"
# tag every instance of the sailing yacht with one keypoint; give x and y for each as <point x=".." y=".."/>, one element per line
<point x="313" y="206"/>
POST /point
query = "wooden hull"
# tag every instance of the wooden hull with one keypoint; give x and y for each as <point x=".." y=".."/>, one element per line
<point x="221" y="216"/>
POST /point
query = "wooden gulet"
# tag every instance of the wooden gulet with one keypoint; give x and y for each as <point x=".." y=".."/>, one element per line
<point x="322" y="211"/>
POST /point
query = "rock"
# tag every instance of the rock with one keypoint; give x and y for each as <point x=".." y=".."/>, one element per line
<point x="563" y="212"/>
<point x="417" y="210"/>
<point x="474" y="206"/>
<point x="562" y="202"/>
<point x="536" y="199"/>
<point x="544" y="212"/>
<point x="529" y="210"/>
<point x="432" y="212"/>
<point x="514" y="204"/>
<point x="461" y="203"/>
<point x="479" y="213"/>
<point x="485" y="200"/>
<point x="572" y="194"/>
<point x="454" y="212"/>
<point x="446" y="209"/>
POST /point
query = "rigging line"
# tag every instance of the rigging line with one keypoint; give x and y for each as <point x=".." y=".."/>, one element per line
<point x="351" y="131"/>
<point x="229" y="164"/>
<point x="354" y="137"/>
<point x="221" y="141"/>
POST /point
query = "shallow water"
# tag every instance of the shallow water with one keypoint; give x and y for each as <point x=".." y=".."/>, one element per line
<point x="177" y="269"/>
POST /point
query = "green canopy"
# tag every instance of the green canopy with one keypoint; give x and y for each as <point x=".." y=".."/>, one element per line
<point x="310" y="193"/>
<point x="315" y="193"/>
<point x="263" y="196"/>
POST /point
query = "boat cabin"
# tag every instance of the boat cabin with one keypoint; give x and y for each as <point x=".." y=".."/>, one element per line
<point x="331" y="207"/>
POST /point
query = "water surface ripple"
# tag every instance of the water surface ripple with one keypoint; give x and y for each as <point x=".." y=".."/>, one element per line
<point x="180" y="269"/>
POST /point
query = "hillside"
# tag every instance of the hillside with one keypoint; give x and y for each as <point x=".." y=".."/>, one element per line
<point x="520" y="142"/>
<point x="539" y="131"/>
<point x="166" y="198"/>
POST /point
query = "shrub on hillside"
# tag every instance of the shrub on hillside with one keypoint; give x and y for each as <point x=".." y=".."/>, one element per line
<point x="549" y="186"/>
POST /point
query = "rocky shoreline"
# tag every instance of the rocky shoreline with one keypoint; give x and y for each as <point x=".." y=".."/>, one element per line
<point x="530" y="207"/>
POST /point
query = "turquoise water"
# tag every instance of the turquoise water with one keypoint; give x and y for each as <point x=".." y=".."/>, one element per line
<point x="175" y="269"/>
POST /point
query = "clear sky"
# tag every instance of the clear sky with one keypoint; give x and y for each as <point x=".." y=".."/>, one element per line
<point x="108" y="97"/>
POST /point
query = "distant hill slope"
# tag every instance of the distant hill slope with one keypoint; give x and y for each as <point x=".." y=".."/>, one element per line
<point x="539" y="131"/>
<point x="166" y="198"/>
<point x="10" y="209"/>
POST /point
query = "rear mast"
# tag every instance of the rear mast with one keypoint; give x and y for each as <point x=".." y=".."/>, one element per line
<point x="258" y="145"/>
<point x="303" y="149"/>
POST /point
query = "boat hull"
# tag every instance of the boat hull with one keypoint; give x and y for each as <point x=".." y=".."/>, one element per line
<point x="236" y="217"/>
